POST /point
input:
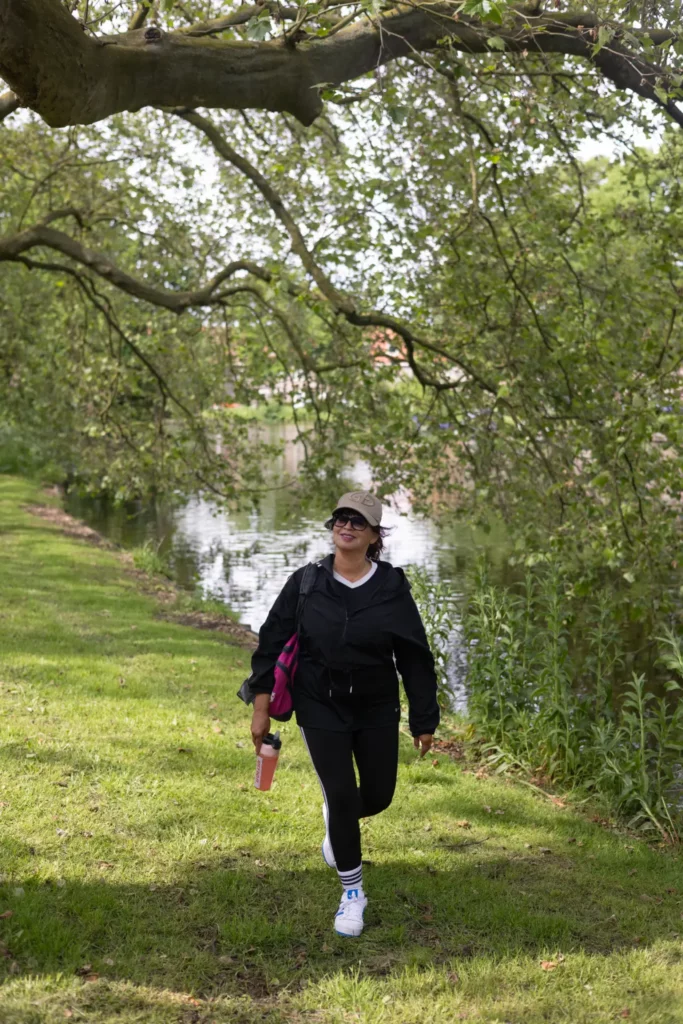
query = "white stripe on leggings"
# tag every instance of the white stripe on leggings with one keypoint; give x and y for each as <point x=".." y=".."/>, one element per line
<point x="322" y="788"/>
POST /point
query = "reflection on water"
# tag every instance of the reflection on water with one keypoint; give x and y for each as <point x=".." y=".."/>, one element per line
<point x="245" y="557"/>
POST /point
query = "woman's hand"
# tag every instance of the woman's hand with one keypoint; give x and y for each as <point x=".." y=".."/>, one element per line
<point x="260" y="720"/>
<point x="423" y="743"/>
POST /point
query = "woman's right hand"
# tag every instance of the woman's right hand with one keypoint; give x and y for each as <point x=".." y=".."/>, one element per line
<point x="260" y="720"/>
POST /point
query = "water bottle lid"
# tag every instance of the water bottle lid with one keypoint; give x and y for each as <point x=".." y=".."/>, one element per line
<point x="273" y="740"/>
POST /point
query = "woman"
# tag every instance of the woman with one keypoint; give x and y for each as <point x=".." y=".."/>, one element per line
<point x="357" y="625"/>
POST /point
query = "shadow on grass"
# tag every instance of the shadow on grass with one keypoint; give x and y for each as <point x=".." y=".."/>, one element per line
<point x="234" y="925"/>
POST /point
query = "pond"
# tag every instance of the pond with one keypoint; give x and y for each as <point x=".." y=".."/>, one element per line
<point x="244" y="557"/>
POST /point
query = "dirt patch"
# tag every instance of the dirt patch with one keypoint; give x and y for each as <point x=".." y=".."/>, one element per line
<point x="217" y="623"/>
<point x="68" y="525"/>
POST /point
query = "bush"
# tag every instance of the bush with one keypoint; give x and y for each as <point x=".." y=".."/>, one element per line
<point x="435" y="603"/>
<point x="546" y="689"/>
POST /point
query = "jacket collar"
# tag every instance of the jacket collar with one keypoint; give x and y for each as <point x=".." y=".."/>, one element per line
<point x="390" y="579"/>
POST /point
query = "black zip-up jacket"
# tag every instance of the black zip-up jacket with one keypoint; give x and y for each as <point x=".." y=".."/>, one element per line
<point x="351" y="641"/>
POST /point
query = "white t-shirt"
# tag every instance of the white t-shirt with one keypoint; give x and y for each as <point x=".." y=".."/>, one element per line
<point x="357" y="583"/>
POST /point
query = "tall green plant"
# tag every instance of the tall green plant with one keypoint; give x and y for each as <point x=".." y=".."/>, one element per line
<point x="544" y="690"/>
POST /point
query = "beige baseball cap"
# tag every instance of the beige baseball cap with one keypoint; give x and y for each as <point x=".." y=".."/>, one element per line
<point x="365" y="503"/>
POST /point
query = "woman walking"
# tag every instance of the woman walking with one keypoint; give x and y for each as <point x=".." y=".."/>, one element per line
<point x="357" y="625"/>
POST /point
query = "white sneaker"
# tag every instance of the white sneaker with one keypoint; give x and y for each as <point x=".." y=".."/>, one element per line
<point x="349" y="919"/>
<point x="328" y="853"/>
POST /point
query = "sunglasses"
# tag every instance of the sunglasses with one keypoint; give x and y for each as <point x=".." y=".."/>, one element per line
<point x="345" y="519"/>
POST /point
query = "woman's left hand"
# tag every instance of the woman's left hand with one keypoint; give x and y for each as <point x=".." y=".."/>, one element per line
<point x="423" y="743"/>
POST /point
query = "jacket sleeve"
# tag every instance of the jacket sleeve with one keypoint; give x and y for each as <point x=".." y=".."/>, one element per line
<point x="415" y="664"/>
<point x="273" y="635"/>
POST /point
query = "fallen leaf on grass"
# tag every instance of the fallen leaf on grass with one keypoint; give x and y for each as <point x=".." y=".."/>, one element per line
<point x="464" y="823"/>
<point x="83" y="970"/>
<point x="427" y="828"/>
<point x="551" y="965"/>
<point x="68" y="1013"/>
<point x="108" y="961"/>
<point x="6" y="914"/>
<point x="184" y="750"/>
<point x="105" y="864"/>
<point x="453" y="978"/>
<point x="625" y="1012"/>
<point x="488" y="810"/>
<point x="572" y="839"/>
<point x="435" y="763"/>
<point x="544" y="849"/>
<point x="632" y="872"/>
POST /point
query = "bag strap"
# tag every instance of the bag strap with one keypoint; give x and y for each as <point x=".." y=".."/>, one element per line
<point x="305" y="587"/>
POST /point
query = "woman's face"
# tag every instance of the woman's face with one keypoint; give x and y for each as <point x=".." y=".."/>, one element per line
<point x="349" y="535"/>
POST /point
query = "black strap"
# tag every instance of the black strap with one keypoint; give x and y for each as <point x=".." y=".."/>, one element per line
<point x="305" y="587"/>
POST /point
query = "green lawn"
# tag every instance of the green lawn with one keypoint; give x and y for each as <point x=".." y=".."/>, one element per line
<point x="149" y="882"/>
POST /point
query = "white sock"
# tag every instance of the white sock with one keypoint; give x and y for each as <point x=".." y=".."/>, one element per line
<point x="352" y="879"/>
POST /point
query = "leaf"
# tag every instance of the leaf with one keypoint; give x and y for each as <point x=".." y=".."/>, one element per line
<point x="259" y="29"/>
<point x="548" y="965"/>
<point x="463" y="823"/>
<point x="661" y="93"/>
<point x="6" y="914"/>
<point x="605" y="34"/>
<point x="495" y="42"/>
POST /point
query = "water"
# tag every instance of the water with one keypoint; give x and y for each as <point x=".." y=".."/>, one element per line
<point x="244" y="557"/>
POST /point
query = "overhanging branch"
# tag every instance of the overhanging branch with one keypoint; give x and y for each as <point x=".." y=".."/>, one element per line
<point x="41" y="235"/>
<point x="70" y="77"/>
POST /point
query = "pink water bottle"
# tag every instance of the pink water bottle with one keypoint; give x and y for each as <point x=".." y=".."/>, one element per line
<point x="266" y="761"/>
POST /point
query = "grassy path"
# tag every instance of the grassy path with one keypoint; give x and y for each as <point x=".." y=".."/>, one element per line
<point x="148" y="882"/>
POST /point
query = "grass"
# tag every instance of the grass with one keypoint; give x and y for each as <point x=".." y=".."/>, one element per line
<point x="149" y="882"/>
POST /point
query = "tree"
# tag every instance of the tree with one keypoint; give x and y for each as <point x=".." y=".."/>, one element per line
<point x="526" y="301"/>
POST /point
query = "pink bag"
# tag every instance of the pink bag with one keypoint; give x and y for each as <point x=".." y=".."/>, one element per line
<point x="285" y="669"/>
<point x="281" y="704"/>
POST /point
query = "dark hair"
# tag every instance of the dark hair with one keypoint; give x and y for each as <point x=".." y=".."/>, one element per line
<point x="377" y="547"/>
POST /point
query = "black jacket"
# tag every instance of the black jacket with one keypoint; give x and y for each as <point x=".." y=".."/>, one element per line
<point x="351" y="641"/>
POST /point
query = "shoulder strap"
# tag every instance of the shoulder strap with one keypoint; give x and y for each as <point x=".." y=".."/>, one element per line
<point x="305" y="587"/>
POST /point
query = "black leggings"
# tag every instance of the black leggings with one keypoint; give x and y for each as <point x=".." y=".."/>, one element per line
<point x="376" y="755"/>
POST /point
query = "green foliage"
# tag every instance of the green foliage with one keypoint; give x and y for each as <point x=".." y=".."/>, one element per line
<point x="435" y="603"/>
<point x="545" y="687"/>
<point x="148" y="559"/>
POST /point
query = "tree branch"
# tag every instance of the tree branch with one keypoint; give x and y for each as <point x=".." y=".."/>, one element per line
<point x="9" y="102"/>
<point x="240" y="17"/>
<point x="13" y="248"/>
<point x="70" y="77"/>
<point x="140" y="16"/>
